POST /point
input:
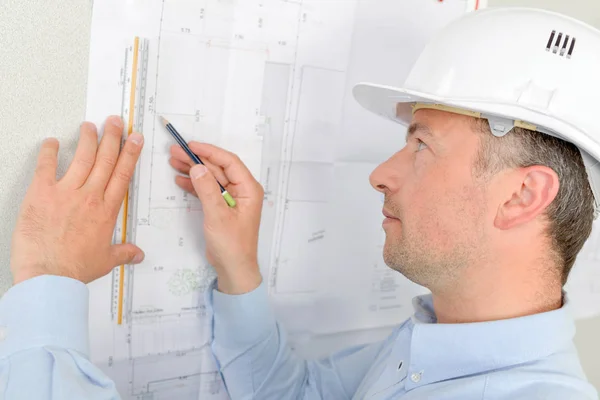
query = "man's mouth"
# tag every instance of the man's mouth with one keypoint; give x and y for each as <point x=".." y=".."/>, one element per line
<point x="387" y="214"/>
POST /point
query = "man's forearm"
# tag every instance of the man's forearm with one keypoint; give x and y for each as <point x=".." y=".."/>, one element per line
<point x="44" y="346"/>
<point x="252" y="353"/>
<point x="245" y="339"/>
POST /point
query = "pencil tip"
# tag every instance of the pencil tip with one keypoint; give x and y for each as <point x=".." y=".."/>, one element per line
<point x="164" y="121"/>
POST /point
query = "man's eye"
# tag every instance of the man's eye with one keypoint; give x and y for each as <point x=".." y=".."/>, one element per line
<point x="421" y="145"/>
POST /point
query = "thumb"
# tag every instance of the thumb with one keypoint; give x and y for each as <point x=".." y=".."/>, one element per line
<point x="126" y="253"/>
<point x="206" y="188"/>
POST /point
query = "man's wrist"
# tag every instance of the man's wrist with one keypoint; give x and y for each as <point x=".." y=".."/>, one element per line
<point x="240" y="320"/>
<point x="46" y="310"/>
<point x="22" y="276"/>
<point x="25" y="274"/>
<point x="242" y="281"/>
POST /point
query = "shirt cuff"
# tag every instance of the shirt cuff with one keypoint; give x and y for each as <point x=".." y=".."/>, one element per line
<point x="43" y="311"/>
<point x="241" y="320"/>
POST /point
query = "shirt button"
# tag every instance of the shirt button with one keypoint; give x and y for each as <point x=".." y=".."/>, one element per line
<point x="416" y="377"/>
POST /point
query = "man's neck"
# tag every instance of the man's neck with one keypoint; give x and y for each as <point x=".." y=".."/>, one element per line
<point x="496" y="293"/>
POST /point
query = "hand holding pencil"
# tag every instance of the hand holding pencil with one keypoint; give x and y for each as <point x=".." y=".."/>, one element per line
<point x="231" y="233"/>
<point x="228" y="199"/>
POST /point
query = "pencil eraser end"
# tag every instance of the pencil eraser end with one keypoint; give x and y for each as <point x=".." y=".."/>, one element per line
<point x="228" y="199"/>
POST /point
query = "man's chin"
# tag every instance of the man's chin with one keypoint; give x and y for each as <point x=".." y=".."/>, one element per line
<point x="391" y="255"/>
<point x="404" y="268"/>
<point x="398" y="258"/>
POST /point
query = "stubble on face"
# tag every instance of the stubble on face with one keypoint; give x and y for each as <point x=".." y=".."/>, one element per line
<point x="430" y="249"/>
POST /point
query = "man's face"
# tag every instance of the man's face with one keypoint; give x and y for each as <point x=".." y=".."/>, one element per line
<point x="436" y="202"/>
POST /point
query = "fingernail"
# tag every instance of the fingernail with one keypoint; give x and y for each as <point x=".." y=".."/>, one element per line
<point x="139" y="257"/>
<point x="136" y="138"/>
<point x="87" y="124"/>
<point x="116" y="121"/>
<point x="197" y="171"/>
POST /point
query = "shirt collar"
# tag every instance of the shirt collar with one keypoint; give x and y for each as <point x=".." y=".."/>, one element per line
<point x="446" y="351"/>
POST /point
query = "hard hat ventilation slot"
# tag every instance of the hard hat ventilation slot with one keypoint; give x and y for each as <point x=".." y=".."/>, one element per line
<point x="550" y="40"/>
<point x="558" y="39"/>
<point x="559" y="44"/>
<point x="564" y="46"/>
<point x="571" y="49"/>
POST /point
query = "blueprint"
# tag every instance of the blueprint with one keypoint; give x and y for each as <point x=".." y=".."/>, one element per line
<point x="271" y="81"/>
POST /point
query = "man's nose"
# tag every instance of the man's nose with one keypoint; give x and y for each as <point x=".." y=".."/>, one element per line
<point x="387" y="176"/>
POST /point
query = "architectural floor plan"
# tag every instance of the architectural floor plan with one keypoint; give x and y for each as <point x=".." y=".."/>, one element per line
<point x="271" y="81"/>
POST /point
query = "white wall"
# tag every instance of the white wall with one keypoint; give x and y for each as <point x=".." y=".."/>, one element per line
<point x="585" y="10"/>
<point x="44" y="49"/>
<point x="588" y="331"/>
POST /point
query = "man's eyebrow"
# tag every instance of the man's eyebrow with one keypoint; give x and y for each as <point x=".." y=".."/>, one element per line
<point x="418" y="127"/>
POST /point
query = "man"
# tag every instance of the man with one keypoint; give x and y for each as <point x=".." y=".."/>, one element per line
<point x="488" y="215"/>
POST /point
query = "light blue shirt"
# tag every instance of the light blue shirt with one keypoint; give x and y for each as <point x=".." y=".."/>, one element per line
<point x="525" y="358"/>
<point x="44" y="343"/>
<point x="44" y="354"/>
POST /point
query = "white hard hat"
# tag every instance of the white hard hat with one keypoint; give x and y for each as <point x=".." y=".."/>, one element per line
<point x="513" y="66"/>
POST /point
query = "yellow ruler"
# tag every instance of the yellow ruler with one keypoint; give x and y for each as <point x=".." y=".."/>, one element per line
<point x="133" y="80"/>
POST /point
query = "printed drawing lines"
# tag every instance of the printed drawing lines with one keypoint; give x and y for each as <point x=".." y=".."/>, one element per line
<point x="153" y="114"/>
<point x="309" y="179"/>
<point x="281" y="203"/>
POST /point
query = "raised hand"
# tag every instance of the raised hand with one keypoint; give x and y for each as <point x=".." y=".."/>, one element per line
<point x="65" y="226"/>
<point x="231" y="233"/>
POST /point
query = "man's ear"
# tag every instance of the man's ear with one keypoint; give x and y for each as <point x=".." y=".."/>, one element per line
<point x="534" y="189"/>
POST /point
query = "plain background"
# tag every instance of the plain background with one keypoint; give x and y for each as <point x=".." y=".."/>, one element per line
<point x="43" y="72"/>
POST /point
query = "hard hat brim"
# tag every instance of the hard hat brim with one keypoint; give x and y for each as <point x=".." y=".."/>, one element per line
<point x="396" y="104"/>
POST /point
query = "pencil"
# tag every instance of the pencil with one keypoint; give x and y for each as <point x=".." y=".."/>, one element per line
<point x="228" y="199"/>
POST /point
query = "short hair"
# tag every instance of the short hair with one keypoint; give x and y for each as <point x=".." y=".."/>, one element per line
<point x="571" y="214"/>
